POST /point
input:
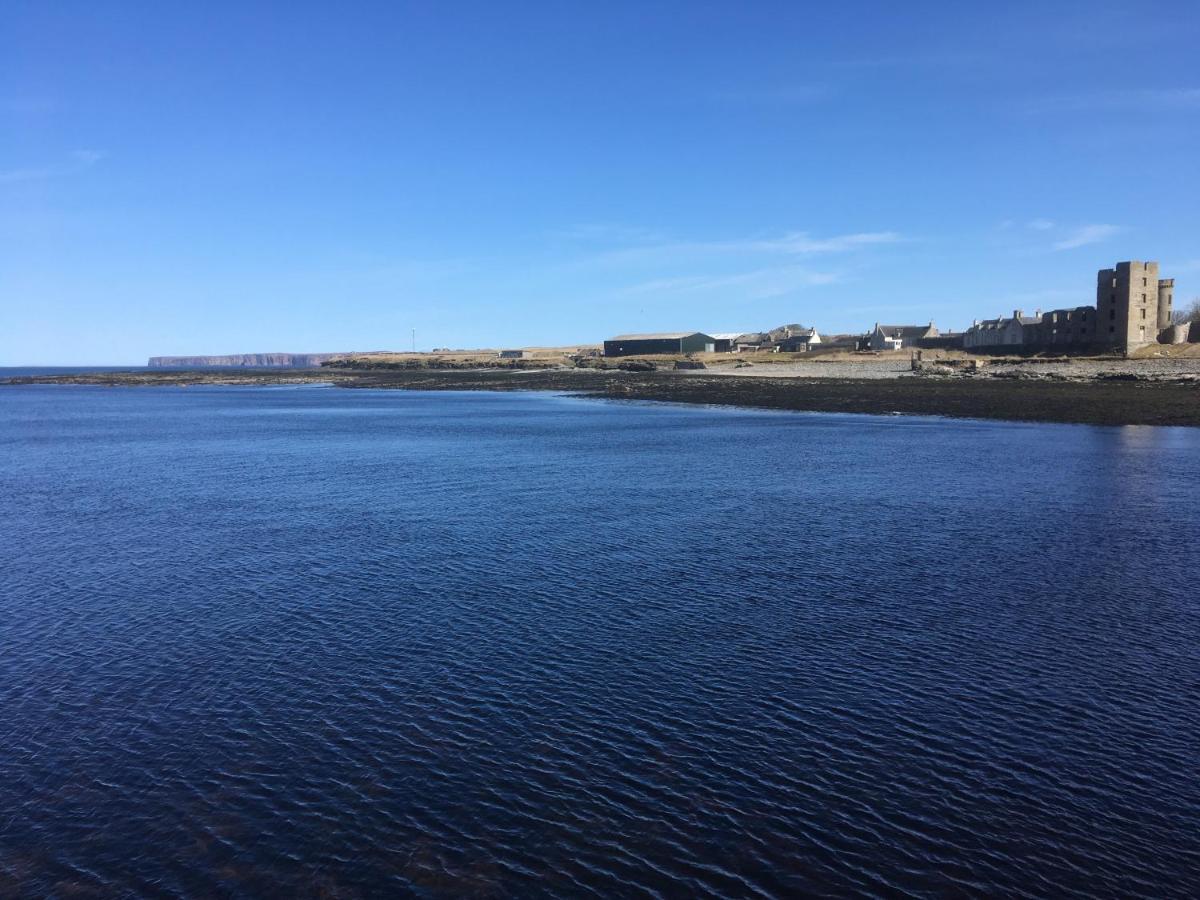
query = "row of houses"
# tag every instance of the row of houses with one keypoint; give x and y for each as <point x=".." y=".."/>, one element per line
<point x="1057" y="328"/>
<point x="787" y="338"/>
<point x="793" y="338"/>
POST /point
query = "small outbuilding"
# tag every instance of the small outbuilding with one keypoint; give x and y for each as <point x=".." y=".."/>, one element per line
<point x="726" y="341"/>
<point x="513" y="354"/>
<point x="899" y="337"/>
<point x="751" y="342"/>
<point x="800" y="342"/>
<point x="656" y="344"/>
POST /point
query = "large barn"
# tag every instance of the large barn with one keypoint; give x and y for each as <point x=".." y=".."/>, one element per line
<point x="652" y="344"/>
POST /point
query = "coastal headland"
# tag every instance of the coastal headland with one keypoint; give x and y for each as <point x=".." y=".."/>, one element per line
<point x="1099" y="392"/>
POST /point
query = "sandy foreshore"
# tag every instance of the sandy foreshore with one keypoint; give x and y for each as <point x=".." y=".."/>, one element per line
<point x="1116" y="396"/>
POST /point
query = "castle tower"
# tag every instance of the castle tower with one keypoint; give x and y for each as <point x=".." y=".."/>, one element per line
<point x="1127" y="305"/>
<point x="1166" y="291"/>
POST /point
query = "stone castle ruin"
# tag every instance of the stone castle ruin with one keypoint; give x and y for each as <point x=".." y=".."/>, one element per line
<point x="1133" y="308"/>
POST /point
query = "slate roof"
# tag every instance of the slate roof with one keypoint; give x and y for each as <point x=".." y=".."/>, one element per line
<point x="907" y="332"/>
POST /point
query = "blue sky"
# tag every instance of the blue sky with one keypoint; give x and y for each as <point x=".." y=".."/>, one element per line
<point x="219" y="178"/>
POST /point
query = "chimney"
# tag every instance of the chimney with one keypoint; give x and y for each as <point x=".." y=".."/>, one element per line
<point x="1016" y="313"/>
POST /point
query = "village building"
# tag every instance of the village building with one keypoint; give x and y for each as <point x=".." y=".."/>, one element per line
<point x="800" y="342"/>
<point x="1002" y="331"/>
<point x="898" y="337"/>
<point x="658" y="344"/>
<point x="725" y="341"/>
<point x="783" y="332"/>
<point x="751" y="342"/>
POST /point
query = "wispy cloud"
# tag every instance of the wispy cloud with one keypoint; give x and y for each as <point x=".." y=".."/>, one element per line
<point x="796" y="243"/>
<point x="914" y="60"/>
<point x="757" y="284"/>
<point x="1039" y="225"/>
<point x="1087" y="234"/>
<point x="80" y="161"/>
<point x="1149" y="98"/>
<point x="801" y="243"/>
<point x="641" y="263"/>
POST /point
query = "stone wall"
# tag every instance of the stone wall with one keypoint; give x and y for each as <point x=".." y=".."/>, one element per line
<point x="1166" y="293"/>
<point x="1127" y="303"/>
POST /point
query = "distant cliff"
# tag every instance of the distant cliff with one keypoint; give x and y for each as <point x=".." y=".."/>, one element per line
<point x="244" y="360"/>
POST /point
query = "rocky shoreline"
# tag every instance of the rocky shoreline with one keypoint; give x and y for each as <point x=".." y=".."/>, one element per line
<point x="1126" y="398"/>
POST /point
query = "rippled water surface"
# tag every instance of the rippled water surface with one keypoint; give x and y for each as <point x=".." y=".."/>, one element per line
<point x="319" y="642"/>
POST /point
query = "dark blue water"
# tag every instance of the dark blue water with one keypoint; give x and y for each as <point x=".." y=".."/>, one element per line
<point x="319" y="642"/>
<point x="20" y="371"/>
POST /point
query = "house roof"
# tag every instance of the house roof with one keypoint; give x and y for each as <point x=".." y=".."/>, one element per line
<point x="728" y="335"/>
<point x="664" y="336"/>
<point x="908" y="332"/>
<point x="1004" y="322"/>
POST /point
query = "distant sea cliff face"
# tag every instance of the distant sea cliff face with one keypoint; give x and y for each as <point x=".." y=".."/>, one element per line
<point x="247" y="360"/>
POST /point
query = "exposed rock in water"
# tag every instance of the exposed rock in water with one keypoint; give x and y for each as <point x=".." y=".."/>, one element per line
<point x="689" y="364"/>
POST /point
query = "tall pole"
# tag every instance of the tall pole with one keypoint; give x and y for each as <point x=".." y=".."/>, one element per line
<point x="414" y="340"/>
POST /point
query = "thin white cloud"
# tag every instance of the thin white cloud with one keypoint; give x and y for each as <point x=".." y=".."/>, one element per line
<point x="1153" y="98"/>
<point x="796" y="243"/>
<point x="758" y="284"/>
<point x="1087" y="234"/>
<point x="801" y="243"/>
<point x="935" y="60"/>
<point x="81" y="160"/>
<point x="1039" y="225"/>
